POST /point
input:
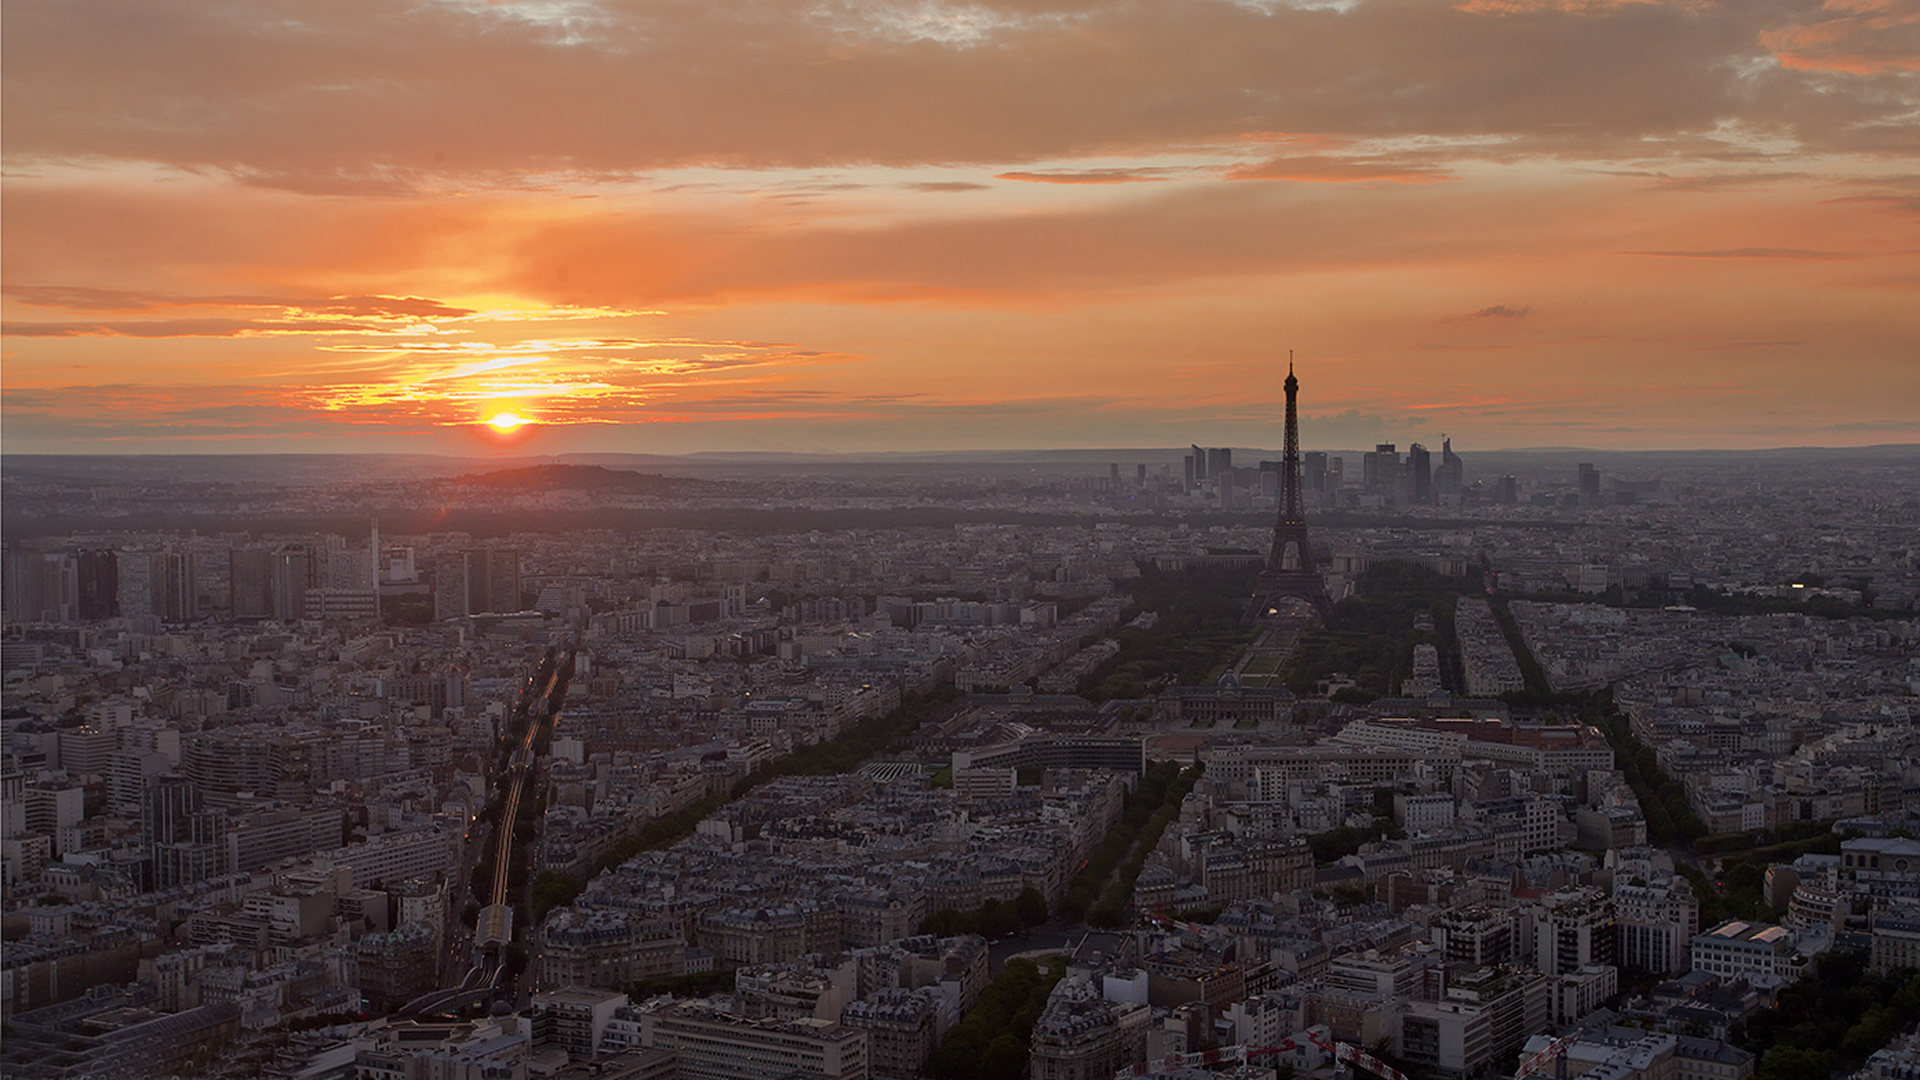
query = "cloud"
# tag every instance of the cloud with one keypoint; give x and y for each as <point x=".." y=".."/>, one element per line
<point x="1089" y="176"/>
<point x="1904" y="204"/>
<point x="1751" y="253"/>
<point x="1854" y="37"/>
<point x="88" y="298"/>
<point x="1323" y="169"/>
<point x="1875" y="425"/>
<point x="167" y="328"/>
<point x="1727" y="181"/>
<point x="350" y="197"/>
<point x="363" y="97"/>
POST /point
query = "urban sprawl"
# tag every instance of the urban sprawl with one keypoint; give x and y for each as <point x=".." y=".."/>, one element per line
<point x="812" y="786"/>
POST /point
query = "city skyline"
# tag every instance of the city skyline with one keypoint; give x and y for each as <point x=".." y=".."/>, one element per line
<point x="921" y="227"/>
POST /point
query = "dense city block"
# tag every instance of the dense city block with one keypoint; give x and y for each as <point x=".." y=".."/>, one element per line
<point x="1060" y="768"/>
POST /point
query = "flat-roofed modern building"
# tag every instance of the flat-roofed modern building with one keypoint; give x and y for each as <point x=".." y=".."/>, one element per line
<point x="716" y="1046"/>
<point x="1761" y="953"/>
<point x="574" y="1018"/>
<point x="1058" y="752"/>
<point x="1655" y="922"/>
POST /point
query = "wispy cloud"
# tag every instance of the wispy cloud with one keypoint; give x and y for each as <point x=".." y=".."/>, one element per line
<point x="1090" y="176"/>
<point x="1316" y="168"/>
<point x="1752" y="253"/>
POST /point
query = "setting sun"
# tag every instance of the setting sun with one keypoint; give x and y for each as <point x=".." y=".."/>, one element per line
<point x="507" y="421"/>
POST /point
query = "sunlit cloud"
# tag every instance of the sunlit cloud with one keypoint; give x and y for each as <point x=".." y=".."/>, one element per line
<point x="1088" y="176"/>
<point x="1326" y="169"/>
<point x="870" y="223"/>
<point x="1751" y="253"/>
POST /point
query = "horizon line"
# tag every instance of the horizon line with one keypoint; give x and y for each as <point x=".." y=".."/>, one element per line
<point x="949" y="453"/>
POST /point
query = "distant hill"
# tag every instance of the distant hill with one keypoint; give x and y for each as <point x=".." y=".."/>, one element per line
<point x="576" y="478"/>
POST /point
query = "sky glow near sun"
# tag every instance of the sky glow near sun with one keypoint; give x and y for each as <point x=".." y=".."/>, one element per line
<point x="906" y="224"/>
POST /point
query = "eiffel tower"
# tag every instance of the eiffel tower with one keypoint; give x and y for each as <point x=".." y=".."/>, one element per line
<point x="1289" y="573"/>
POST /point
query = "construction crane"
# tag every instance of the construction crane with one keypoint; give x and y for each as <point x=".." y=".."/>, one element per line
<point x="1349" y="1054"/>
<point x="1237" y="1054"/>
<point x="1241" y="1055"/>
<point x="1555" y="1051"/>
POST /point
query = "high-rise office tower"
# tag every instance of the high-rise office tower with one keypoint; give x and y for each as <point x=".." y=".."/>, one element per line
<point x="250" y="574"/>
<point x="185" y="840"/>
<point x="99" y="584"/>
<point x="1219" y="462"/>
<point x="41" y="586"/>
<point x="1199" y="463"/>
<point x="142" y="581"/>
<point x="503" y="579"/>
<point x="159" y="584"/>
<point x="1420" y="468"/>
<point x="1450" y="477"/>
<point x="450" y="587"/>
<point x="374" y="565"/>
<point x="292" y="571"/>
<point x="1315" y="464"/>
<point x="349" y="571"/>
<point x="1380" y="470"/>
<point x="1589" y="481"/>
<point x="20" y="590"/>
<point x="180" y="596"/>
<point x="477" y="582"/>
<point x="1508" y="493"/>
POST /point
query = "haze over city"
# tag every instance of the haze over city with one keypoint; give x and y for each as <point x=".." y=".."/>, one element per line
<point x="946" y="540"/>
<point x="919" y="226"/>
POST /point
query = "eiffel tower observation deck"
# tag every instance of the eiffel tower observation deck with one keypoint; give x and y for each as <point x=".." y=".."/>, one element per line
<point x="1290" y="576"/>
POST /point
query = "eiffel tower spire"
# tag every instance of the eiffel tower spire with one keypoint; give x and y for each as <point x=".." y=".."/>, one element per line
<point x="1290" y="571"/>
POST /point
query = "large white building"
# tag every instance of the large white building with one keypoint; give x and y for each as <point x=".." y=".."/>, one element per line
<point x="1881" y="866"/>
<point x="1655" y="922"/>
<point x="1761" y="953"/>
<point x="574" y="1018"/>
<point x="1424" y="813"/>
<point x="1573" y="928"/>
<point x="717" y="1046"/>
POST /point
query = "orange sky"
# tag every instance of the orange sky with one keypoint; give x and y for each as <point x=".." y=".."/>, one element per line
<point x="850" y="225"/>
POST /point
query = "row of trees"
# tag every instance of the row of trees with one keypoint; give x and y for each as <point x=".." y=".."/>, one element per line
<point x="660" y="832"/>
<point x="846" y="752"/>
<point x="993" y="919"/>
<point x="1336" y="844"/>
<point x="552" y="889"/>
<point x="1110" y="912"/>
<point x="1662" y="799"/>
<point x="992" y="1042"/>
<point x="1199" y="631"/>
<point x="1370" y="636"/>
<point x="852" y="749"/>
<point x="1087" y="885"/>
<point x="1832" y="1019"/>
